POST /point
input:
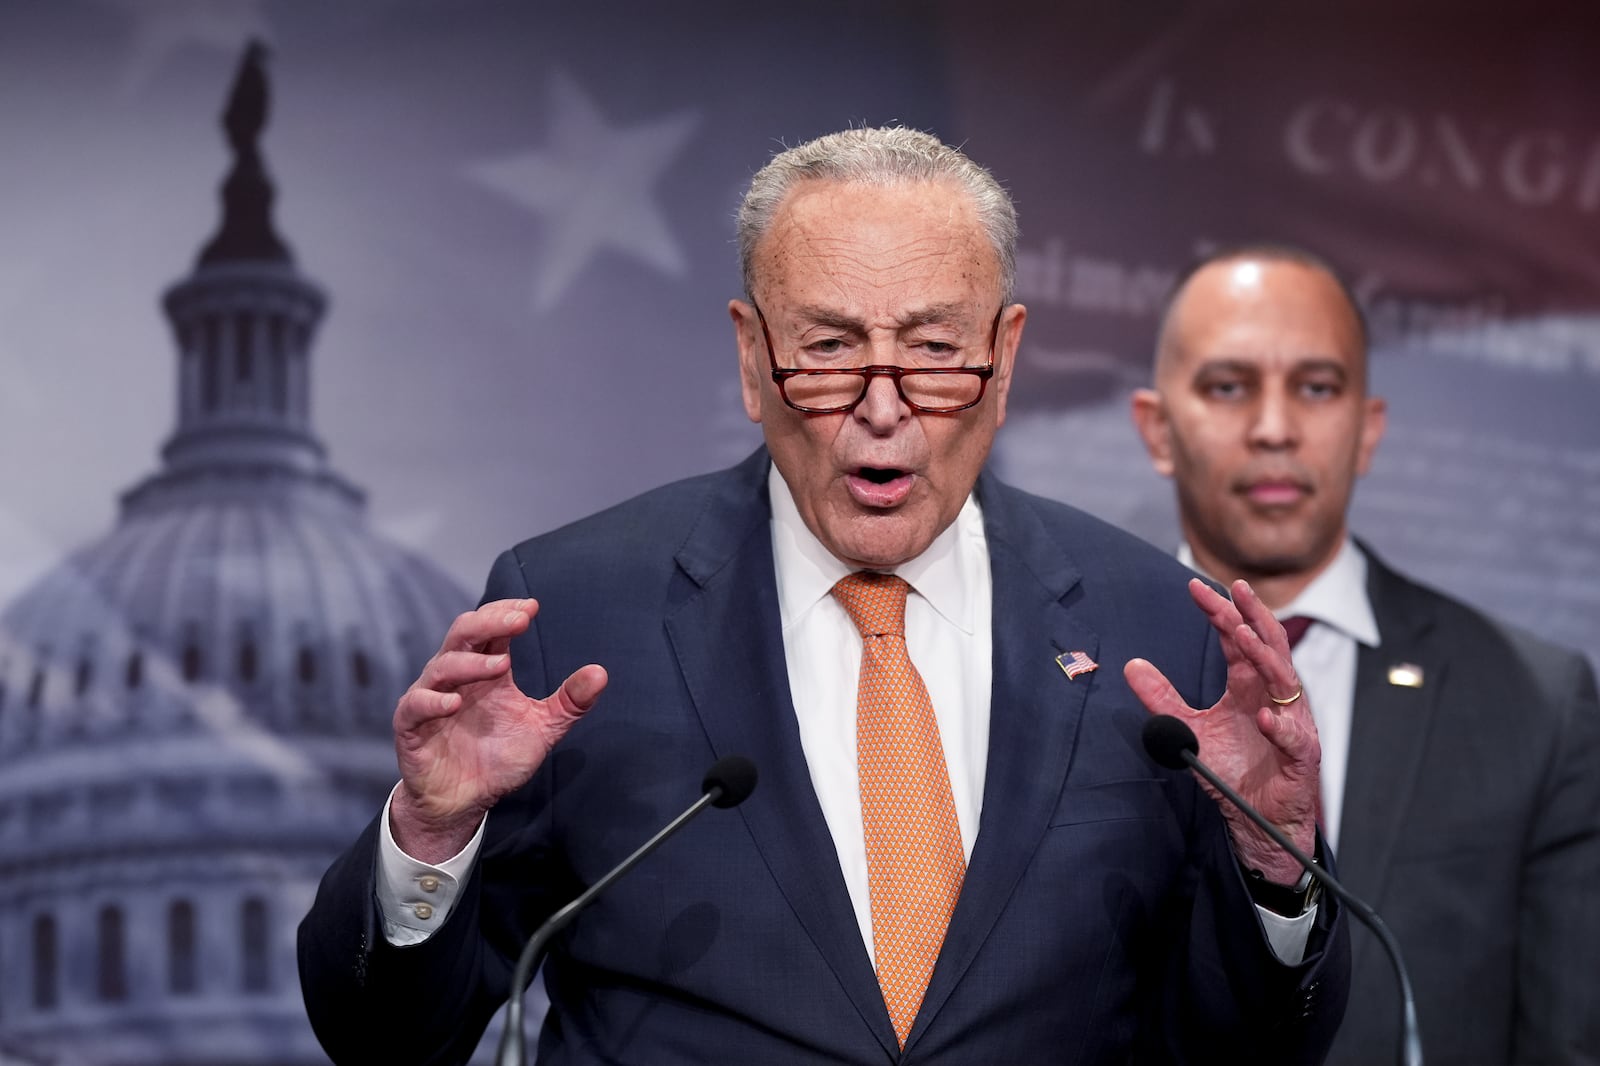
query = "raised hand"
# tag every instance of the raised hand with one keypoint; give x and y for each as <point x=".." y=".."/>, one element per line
<point x="465" y="735"/>
<point x="1259" y="737"/>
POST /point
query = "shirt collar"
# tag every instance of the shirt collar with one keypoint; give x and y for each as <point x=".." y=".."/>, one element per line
<point x="1336" y="597"/>
<point x="807" y="571"/>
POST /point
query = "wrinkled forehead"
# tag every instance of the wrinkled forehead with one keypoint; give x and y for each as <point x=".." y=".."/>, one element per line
<point x="850" y="235"/>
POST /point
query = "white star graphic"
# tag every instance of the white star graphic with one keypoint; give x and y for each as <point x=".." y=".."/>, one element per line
<point x="162" y="27"/>
<point x="594" y="186"/>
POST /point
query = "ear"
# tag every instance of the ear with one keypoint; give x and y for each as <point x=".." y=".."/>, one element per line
<point x="1374" y="420"/>
<point x="752" y="355"/>
<point x="1005" y="357"/>
<point x="1150" y="419"/>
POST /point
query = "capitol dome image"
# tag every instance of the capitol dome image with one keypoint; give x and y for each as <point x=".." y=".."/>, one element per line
<point x="195" y="708"/>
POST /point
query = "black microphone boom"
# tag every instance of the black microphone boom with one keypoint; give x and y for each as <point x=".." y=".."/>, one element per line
<point x="727" y="784"/>
<point x="1171" y="743"/>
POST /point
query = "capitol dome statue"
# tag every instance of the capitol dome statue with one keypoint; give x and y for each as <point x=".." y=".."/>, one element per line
<point x="195" y="709"/>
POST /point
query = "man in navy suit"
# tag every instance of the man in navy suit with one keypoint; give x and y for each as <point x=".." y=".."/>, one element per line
<point x="1090" y="907"/>
<point x="1461" y="757"/>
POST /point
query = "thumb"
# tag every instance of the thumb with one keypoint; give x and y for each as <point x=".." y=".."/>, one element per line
<point x="577" y="693"/>
<point x="1153" y="688"/>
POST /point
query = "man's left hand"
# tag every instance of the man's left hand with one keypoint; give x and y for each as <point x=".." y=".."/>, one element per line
<point x="1263" y="746"/>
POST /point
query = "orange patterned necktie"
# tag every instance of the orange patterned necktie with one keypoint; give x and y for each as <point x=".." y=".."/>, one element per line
<point x="915" y="863"/>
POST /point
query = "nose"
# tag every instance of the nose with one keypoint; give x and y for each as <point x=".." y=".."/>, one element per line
<point x="1274" y="426"/>
<point x="881" y="408"/>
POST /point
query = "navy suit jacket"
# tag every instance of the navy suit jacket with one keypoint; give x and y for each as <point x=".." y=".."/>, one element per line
<point x="1103" y="917"/>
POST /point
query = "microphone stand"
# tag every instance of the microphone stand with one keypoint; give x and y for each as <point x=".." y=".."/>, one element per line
<point x="1411" y="1046"/>
<point x="510" y="1052"/>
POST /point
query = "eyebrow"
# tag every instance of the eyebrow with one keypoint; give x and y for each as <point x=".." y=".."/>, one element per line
<point x="1227" y="364"/>
<point x="934" y="314"/>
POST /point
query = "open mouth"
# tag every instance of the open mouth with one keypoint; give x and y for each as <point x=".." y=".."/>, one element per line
<point x="879" y="475"/>
<point x="880" y="486"/>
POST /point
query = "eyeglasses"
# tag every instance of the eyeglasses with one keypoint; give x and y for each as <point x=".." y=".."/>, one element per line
<point x="933" y="390"/>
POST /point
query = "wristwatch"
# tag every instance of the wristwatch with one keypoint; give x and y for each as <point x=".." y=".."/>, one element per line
<point x="1290" y="901"/>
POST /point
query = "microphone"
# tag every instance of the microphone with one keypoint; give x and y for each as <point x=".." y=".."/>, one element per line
<point x="1171" y="743"/>
<point x="728" y="783"/>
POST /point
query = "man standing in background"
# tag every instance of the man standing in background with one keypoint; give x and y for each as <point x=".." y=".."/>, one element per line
<point x="1461" y="758"/>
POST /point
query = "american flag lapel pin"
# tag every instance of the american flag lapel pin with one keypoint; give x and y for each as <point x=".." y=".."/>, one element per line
<point x="1073" y="663"/>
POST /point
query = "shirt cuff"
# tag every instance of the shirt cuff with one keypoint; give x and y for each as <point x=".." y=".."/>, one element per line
<point x="1287" y="936"/>
<point x="414" y="897"/>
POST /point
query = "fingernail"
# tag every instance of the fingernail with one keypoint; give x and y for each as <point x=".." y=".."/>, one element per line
<point x="512" y="617"/>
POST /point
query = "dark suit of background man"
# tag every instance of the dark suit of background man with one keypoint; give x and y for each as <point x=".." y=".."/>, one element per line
<point x="1088" y="906"/>
<point x="1461" y="759"/>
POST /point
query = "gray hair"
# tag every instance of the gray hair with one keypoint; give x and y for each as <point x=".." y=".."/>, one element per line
<point x="877" y="156"/>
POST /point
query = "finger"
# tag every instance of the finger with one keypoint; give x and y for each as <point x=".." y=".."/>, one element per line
<point x="450" y="670"/>
<point x="1213" y="603"/>
<point x="1153" y="689"/>
<point x="1272" y="665"/>
<point x="1290" y="735"/>
<point x="419" y="706"/>
<point x="1219" y="610"/>
<point x="1256" y="615"/>
<point x="1228" y="620"/>
<point x="490" y="627"/>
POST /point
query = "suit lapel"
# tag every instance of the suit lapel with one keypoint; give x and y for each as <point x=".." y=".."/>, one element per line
<point x="1034" y="715"/>
<point x="1388" y="736"/>
<point x="724" y="626"/>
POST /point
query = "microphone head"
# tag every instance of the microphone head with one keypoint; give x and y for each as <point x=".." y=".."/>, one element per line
<point x="734" y="776"/>
<point x="1166" y="739"/>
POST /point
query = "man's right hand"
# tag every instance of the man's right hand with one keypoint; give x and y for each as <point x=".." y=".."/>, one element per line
<point x="465" y="735"/>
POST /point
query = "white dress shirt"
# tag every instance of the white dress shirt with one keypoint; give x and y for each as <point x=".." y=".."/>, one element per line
<point x="1325" y="660"/>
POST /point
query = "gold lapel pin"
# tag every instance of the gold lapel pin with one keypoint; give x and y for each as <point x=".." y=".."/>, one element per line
<point x="1406" y="675"/>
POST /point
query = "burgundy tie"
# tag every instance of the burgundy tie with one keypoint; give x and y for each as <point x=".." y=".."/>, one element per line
<point x="1294" y="627"/>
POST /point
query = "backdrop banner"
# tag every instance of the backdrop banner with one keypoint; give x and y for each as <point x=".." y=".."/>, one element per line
<point x="295" y="339"/>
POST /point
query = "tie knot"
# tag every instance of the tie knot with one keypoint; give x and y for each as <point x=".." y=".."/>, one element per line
<point x="876" y="603"/>
<point x="1295" y="626"/>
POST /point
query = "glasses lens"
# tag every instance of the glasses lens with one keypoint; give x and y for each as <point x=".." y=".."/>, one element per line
<point x="822" y="390"/>
<point x="933" y="392"/>
<point x="941" y="392"/>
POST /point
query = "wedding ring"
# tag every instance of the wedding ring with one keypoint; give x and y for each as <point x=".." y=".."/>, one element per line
<point x="1284" y="703"/>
